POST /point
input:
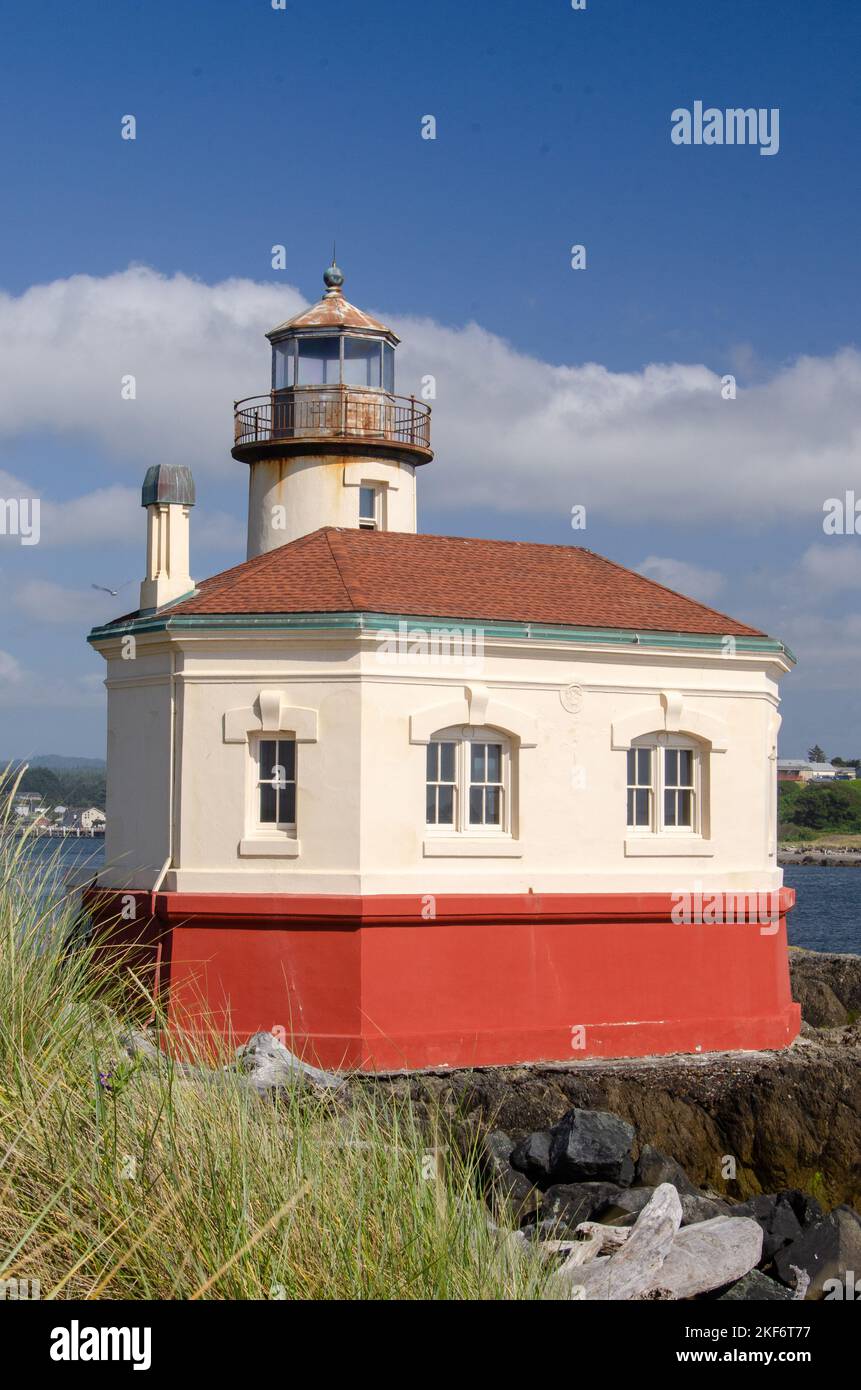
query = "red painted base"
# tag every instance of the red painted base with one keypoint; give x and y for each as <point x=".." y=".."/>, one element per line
<point x="389" y="982"/>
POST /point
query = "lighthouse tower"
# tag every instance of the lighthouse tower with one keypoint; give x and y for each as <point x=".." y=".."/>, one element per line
<point x="331" y="444"/>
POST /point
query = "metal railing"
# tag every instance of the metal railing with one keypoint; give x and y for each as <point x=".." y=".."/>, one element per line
<point x="332" y="412"/>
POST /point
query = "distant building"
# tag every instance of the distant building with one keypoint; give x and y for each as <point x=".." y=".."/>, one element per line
<point x="92" y="819"/>
<point x="800" y="770"/>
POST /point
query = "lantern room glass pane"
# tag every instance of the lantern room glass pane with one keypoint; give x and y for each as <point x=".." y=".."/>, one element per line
<point x="388" y="367"/>
<point x="319" y="362"/>
<point x="361" y="362"/>
<point x="283" y="360"/>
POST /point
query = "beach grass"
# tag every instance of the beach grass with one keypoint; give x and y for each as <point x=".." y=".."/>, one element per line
<point x="129" y="1179"/>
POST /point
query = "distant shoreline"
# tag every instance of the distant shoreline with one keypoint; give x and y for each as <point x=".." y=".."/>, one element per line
<point x="831" y="857"/>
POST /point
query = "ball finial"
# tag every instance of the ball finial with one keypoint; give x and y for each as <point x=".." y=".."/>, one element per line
<point x="333" y="278"/>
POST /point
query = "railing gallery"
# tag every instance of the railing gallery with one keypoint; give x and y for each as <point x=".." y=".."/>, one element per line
<point x="336" y="412"/>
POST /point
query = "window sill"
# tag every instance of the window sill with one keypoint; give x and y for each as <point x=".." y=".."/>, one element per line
<point x="673" y="846"/>
<point x="471" y="847"/>
<point x="281" y="847"/>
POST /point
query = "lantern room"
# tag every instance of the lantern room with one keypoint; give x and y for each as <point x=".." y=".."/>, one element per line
<point x="330" y="444"/>
<point x="333" y="344"/>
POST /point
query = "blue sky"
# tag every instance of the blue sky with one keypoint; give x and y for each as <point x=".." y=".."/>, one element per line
<point x="257" y="126"/>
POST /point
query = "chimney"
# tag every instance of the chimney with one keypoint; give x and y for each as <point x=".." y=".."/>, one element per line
<point x="168" y="495"/>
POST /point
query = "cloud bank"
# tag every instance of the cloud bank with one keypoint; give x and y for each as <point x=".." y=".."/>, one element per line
<point x="510" y="432"/>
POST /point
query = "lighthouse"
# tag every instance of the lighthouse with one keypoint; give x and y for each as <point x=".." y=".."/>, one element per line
<point x="416" y="800"/>
<point x="331" y="444"/>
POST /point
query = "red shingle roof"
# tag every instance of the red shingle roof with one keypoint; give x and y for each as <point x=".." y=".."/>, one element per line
<point x="334" y="570"/>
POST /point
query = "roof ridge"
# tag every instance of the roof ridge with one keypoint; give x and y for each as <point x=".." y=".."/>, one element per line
<point x="356" y="596"/>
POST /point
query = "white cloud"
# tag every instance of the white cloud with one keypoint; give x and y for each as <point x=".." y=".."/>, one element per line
<point x="693" y="580"/>
<point x="113" y="516"/>
<point x="10" y="671"/>
<point x="24" y="689"/>
<point x="42" y="601"/>
<point x="827" y="649"/>
<point x="510" y="431"/>
<point x="832" y="566"/>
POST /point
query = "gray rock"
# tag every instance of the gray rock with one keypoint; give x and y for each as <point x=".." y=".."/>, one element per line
<point x="511" y="1191"/>
<point x="826" y="1250"/>
<point x="567" y="1204"/>
<point x="755" y="1286"/>
<point x="696" y="1208"/>
<point x="783" y="1217"/>
<point x="592" y="1146"/>
<point x="654" y="1167"/>
<point x="532" y="1156"/>
<point x="631" y="1200"/>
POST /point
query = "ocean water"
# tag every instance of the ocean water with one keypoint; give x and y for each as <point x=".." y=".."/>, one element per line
<point x="826" y="917"/>
<point x="827" y="912"/>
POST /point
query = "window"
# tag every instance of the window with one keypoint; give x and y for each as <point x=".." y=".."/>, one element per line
<point x="388" y="367"/>
<point x="370" y="508"/>
<point x="362" y="362"/>
<point x="276" y="782"/>
<point x="485" y="784"/>
<point x="283" y="364"/>
<point x="319" y="362"/>
<point x="663" y="786"/>
<point x="468" y="781"/>
<point x="679" y="787"/>
<point x="640" y="787"/>
<point x="441" y="786"/>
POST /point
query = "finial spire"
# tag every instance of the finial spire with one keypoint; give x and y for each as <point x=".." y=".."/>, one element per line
<point x="333" y="278"/>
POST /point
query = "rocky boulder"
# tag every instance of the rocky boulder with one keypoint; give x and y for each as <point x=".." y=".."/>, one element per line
<point x="512" y="1194"/>
<point x="654" y="1167"/>
<point x="826" y="1251"/>
<point x="783" y="1216"/>
<point x="755" y="1287"/>
<point x="587" y="1146"/>
<point x="827" y="986"/>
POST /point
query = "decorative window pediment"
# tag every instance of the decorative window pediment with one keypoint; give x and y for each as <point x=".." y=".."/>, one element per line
<point x="271" y="713"/>
<point x="476" y="707"/>
<point x="671" y="713"/>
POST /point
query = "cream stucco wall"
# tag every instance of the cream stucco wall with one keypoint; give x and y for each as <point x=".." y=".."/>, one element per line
<point x="363" y="711"/>
<point x="291" y="497"/>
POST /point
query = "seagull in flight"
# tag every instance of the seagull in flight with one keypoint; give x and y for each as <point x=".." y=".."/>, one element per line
<point x="113" y="592"/>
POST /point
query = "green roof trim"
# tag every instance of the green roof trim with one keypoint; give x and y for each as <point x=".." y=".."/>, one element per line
<point x="386" y="622"/>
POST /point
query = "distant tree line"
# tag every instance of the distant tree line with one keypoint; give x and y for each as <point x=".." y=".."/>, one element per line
<point x="816" y="755"/>
<point x="822" y="807"/>
<point x="73" y="787"/>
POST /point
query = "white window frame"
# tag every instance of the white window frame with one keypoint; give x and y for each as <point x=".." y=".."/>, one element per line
<point x="660" y="743"/>
<point x="377" y="522"/>
<point x="279" y="827"/>
<point x="463" y="737"/>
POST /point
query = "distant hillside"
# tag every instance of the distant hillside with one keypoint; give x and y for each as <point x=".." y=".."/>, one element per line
<point x="57" y="762"/>
<point x="72" y="786"/>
